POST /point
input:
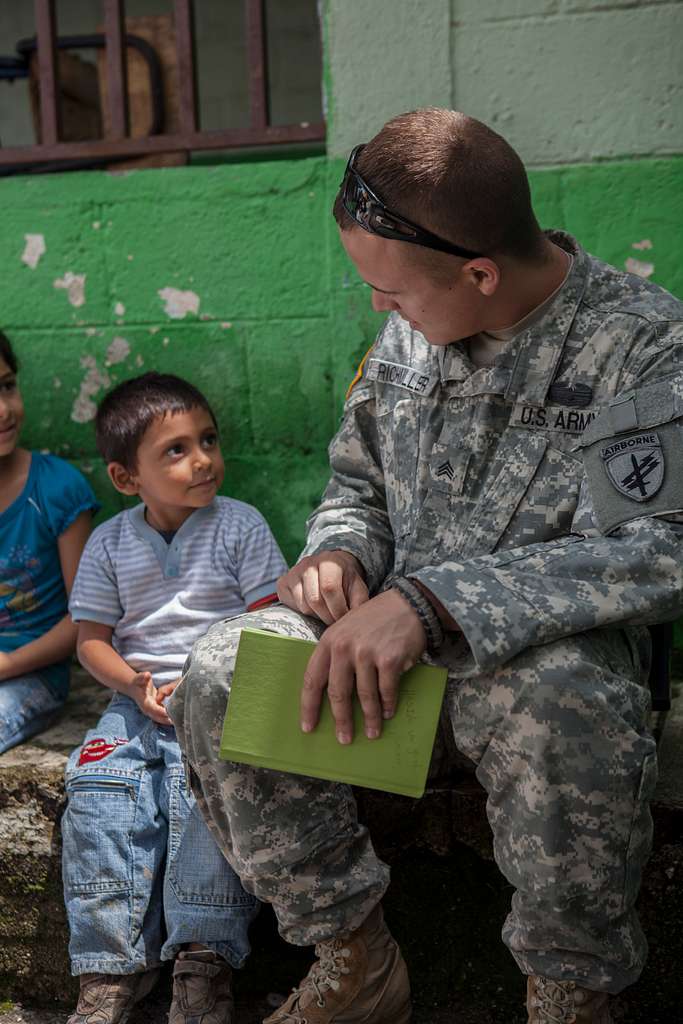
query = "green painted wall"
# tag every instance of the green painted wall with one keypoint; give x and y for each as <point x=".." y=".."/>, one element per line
<point x="281" y="320"/>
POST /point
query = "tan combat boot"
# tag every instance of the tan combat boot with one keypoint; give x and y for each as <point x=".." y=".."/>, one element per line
<point x="110" y="998"/>
<point x="360" y="978"/>
<point x="563" y="1002"/>
<point x="202" y="989"/>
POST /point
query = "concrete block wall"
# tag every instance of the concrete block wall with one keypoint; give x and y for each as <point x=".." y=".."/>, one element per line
<point x="563" y="80"/>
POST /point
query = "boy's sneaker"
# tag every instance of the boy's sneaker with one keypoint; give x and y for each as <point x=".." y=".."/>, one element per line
<point x="110" y="998"/>
<point x="554" y="1002"/>
<point x="202" y="989"/>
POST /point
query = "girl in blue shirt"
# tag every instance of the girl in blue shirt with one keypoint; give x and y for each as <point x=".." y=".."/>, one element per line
<point x="46" y="508"/>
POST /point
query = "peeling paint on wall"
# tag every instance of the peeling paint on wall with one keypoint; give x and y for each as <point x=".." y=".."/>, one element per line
<point x="119" y="309"/>
<point x="84" y="409"/>
<point x="177" y="303"/>
<point x="639" y="267"/>
<point x="35" y="248"/>
<point x="74" y="285"/>
<point x="118" y="350"/>
<point x="645" y="244"/>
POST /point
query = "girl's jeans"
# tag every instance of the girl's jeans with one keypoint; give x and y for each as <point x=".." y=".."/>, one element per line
<point x="142" y="874"/>
<point x="27" y="706"/>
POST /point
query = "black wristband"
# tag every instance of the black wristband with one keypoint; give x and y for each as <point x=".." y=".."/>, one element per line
<point x="423" y="608"/>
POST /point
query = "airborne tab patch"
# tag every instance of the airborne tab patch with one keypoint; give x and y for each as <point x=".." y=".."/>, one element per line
<point x="635" y="465"/>
<point x="400" y="375"/>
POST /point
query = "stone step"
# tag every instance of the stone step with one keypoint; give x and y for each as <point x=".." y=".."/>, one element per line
<point x="446" y="904"/>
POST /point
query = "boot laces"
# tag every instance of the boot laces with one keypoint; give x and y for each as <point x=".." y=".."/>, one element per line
<point x="555" y="1001"/>
<point x="324" y="975"/>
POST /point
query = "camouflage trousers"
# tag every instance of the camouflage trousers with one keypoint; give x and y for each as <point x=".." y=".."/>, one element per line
<point x="561" y="745"/>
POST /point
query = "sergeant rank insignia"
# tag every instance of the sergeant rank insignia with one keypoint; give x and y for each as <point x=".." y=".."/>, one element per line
<point x="635" y="465"/>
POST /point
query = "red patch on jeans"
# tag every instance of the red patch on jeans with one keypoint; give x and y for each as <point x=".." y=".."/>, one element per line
<point x="98" y="748"/>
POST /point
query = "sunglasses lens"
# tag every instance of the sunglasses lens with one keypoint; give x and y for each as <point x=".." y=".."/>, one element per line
<point x="356" y="200"/>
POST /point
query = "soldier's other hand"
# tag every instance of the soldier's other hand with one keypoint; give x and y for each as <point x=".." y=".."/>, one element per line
<point x="326" y="586"/>
<point x="367" y="651"/>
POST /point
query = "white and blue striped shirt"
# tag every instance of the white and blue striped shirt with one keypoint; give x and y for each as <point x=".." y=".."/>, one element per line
<point x="158" y="597"/>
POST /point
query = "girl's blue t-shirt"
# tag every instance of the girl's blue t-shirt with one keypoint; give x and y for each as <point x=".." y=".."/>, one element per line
<point x="32" y="594"/>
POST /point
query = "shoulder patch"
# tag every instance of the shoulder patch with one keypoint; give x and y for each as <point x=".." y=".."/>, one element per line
<point x="635" y="465"/>
<point x="359" y="371"/>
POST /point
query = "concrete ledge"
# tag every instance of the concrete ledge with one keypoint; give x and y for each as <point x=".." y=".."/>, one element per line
<point x="446" y="903"/>
<point x="33" y="931"/>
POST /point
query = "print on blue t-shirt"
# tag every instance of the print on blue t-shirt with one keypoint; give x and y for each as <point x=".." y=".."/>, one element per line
<point x="32" y="594"/>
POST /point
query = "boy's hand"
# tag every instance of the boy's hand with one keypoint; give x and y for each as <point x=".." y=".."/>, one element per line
<point x="326" y="586"/>
<point x="144" y="693"/>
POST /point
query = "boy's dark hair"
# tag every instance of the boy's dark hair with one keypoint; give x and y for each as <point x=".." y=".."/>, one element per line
<point x="7" y="353"/>
<point x="455" y="176"/>
<point x="126" y="412"/>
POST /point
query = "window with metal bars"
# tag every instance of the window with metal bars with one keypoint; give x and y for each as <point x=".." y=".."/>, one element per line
<point x="261" y="122"/>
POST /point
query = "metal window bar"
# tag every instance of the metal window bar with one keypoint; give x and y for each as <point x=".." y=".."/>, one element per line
<point x="257" y="63"/>
<point x="47" y="70"/>
<point x="115" y="60"/>
<point x="259" y="133"/>
<point x="187" y="65"/>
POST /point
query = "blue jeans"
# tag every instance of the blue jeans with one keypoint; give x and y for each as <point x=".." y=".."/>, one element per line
<point x="142" y="874"/>
<point x="27" y="706"/>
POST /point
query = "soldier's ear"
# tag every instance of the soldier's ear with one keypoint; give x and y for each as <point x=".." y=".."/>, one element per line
<point x="484" y="274"/>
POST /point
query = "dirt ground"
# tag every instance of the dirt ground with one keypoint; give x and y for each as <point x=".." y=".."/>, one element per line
<point x="447" y="913"/>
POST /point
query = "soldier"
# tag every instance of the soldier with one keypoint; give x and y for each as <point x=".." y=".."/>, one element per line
<point x="506" y="499"/>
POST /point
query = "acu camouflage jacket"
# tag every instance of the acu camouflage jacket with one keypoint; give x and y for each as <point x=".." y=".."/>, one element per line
<point x="538" y="497"/>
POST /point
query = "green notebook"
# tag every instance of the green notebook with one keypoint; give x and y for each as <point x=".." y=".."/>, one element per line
<point x="262" y="721"/>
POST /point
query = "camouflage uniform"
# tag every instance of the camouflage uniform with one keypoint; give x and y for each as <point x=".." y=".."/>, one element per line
<point x="531" y="500"/>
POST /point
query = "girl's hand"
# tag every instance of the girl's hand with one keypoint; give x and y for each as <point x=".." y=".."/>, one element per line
<point x="144" y="693"/>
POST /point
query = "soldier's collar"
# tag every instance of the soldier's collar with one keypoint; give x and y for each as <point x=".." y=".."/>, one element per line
<point x="539" y="348"/>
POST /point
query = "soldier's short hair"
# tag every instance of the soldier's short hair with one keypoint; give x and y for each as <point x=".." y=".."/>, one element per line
<point x="129" y="409"/>
<point x="453" y="175"/>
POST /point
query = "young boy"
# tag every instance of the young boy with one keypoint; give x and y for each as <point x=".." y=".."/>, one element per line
<point x="144" y="880"/>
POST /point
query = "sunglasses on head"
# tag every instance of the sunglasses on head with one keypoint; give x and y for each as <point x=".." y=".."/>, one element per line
<point x="368" y="210"/>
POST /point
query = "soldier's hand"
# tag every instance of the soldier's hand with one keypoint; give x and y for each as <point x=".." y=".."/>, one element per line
<point x="326" y="586"/>
<point x="367" y="651"/>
